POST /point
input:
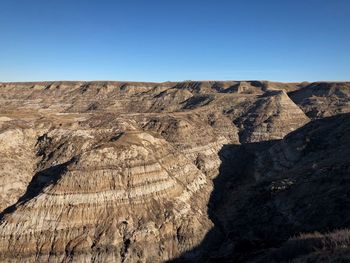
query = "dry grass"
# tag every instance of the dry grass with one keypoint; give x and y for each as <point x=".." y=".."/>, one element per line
<point x="312" y="242"/>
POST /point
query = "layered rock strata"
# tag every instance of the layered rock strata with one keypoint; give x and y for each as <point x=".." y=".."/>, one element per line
<point x="130" y="172"/>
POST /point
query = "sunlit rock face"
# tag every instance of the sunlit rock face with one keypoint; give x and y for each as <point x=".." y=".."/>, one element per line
<point x="125" y="172"/>
<point x="110" y="201"/>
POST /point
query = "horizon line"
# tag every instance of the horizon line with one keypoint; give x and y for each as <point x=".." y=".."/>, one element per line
<point x="171" y="81"/>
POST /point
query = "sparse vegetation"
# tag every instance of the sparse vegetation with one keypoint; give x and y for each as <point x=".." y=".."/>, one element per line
<point x="307" y="243"/>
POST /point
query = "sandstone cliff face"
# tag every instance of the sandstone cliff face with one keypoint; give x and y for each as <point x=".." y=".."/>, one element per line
<point x="109" y="201"/>
<point x="144" y="172"/>
<point x="270" y="117"/>
<point x="17" y="163"/>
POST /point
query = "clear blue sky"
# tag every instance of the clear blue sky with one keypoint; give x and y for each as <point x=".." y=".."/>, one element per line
<point x="283" y="40"/>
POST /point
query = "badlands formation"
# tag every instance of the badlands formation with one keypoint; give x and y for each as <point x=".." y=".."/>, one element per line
<point x="234" y="171"/>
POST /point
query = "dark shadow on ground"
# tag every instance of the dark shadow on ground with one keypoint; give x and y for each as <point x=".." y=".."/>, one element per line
<point x="39" y="181"/>
<point x="252" y="218"/>
<point x="236" y="169"/>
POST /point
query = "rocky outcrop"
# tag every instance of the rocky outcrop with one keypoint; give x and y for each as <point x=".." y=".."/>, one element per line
<point x="17" y="163"/>
<point x="131" y="194"/>
<point x="265" y="206"/>
<point x="150" y="172"/>
<point x="323" y="99"/>
<point x="270" y="117"/>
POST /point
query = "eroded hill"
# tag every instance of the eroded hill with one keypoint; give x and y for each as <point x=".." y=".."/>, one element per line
<point x="150" y="172"/>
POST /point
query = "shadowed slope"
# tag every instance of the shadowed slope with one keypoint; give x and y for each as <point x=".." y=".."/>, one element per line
<point x="269" y="192"/>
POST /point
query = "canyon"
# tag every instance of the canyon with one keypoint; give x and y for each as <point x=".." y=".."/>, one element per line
<point x="193" y="171"/>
